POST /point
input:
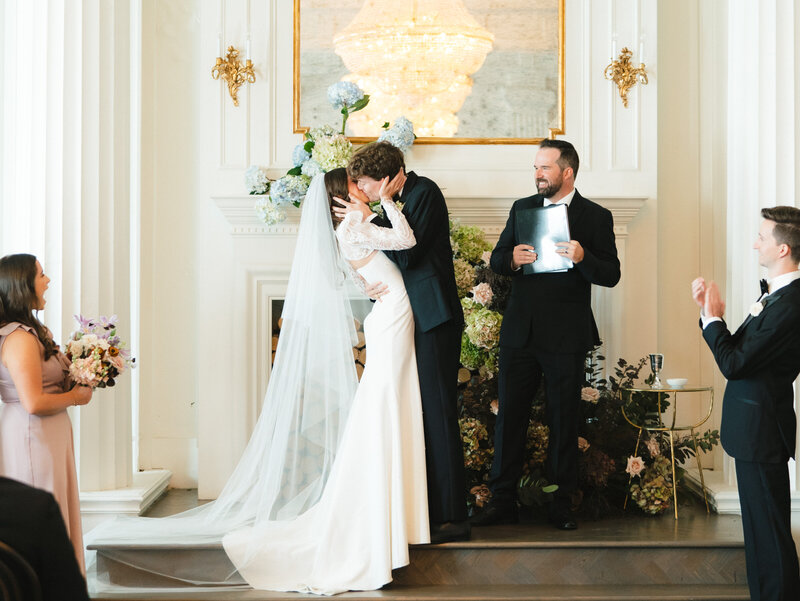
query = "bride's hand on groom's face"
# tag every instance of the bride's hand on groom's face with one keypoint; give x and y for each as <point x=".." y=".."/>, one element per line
<point x="389" y="188"/>
<point x="350" y="205"/>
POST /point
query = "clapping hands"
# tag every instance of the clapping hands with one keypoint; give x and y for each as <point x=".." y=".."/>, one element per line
<point x="708" y="298"/>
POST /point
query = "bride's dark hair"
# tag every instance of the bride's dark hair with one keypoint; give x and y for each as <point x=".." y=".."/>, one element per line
<point x="336" y="181"/>
<point x="18" y="297"/>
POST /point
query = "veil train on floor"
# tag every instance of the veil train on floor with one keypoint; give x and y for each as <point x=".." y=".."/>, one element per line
<point x="286" y="463"/>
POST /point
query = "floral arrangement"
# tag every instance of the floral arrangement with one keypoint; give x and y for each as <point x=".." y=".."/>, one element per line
<point x="322" y="149"/>
<point x="256" y="180"/>
<point x="96" y="353"/>
<point x="606" y="474"/>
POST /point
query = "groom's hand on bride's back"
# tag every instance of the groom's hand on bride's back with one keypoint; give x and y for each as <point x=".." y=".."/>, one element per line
<point x="376" y="290"/>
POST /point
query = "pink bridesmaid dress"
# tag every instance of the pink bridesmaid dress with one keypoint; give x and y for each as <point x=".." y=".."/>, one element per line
<point x="39" y="450"/>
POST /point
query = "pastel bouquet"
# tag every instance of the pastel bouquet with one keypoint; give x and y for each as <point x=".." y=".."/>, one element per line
<point x="96" y="353"/>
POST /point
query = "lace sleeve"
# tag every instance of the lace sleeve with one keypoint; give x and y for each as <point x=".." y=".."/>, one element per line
<point x="356" y="278"/>
<point x="364" y="234"/>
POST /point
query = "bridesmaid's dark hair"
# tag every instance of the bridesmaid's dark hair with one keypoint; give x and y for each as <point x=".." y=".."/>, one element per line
<point x="18" y="297"/>
<point x="336" y="181"/>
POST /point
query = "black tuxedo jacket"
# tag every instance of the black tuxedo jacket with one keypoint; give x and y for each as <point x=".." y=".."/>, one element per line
<point x="556" y="307"/>
<point x="31" y="524"/>
<point x="761" y="361"/>
<point x="427" y="267"/>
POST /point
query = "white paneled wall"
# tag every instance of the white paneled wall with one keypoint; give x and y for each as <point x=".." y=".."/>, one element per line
<point x="235" y="253"/>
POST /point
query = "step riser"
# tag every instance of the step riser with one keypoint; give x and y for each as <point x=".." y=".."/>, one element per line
<point x="574" y="566"/>
<point x="497" y="566"/>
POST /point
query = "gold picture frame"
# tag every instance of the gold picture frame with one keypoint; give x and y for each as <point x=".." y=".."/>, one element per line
<point x="556" y="91"/>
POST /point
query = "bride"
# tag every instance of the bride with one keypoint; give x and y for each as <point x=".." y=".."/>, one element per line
<point x="331" y="488"/>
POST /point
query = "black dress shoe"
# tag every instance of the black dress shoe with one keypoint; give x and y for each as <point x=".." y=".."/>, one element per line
<point x="497" y="513"/>
<point x="563" y="520"/>
<point x="448" y="532"/>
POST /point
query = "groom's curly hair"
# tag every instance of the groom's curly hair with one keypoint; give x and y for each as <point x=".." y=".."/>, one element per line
<point x="376" y="160"/>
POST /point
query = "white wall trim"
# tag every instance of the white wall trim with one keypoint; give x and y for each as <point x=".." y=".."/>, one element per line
<point x="488" y="213"/>
<point x="100" y="505"/>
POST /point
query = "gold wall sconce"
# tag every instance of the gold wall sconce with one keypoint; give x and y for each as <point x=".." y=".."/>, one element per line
<point x="623" y="73"/>
<point x="231" y="70"/>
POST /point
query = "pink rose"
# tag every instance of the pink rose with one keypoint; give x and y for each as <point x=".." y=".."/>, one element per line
<point x="494" y="406"/>
<point x="635" y="466"/>
<point x="486" y="256"/>
<point x="589" y="394"/>
<point x="482" y="494"/>
<point x="653" y="447"/>
<point x="583" y="444"/>
<point x="482" y="293"/>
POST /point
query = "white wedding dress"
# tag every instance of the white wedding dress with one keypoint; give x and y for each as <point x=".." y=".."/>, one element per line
<point x="331" y="488"/>
<point x="375" y="501"/>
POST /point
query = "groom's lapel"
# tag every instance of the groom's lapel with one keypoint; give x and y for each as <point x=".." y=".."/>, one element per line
<point x="408" y="196"/>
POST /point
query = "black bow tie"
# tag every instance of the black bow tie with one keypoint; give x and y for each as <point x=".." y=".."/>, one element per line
<point x="764" y="286"/>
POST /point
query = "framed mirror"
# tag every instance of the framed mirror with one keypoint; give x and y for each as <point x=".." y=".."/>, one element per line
<point x="515" y="95"/>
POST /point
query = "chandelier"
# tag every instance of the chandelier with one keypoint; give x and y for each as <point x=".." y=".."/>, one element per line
<point x="413" y="58"/>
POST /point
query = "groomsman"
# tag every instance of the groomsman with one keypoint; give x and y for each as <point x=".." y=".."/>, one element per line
<point x="761" y="361"/>
<point x="548" y="327"/>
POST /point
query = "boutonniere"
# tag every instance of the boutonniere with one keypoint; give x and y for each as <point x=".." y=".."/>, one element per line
<point x="756" y="309"/>
<point x="376" y="207"/>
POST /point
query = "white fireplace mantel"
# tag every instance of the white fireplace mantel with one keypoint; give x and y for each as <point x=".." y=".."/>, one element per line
<point x="488" y="213"/>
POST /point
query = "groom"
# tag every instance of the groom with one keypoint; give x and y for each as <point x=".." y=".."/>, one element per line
<point x="427" y="270"/>
<point x="761" y="361"/>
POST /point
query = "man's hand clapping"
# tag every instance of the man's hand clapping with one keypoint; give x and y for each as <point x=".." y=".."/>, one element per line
<point x="708" y="298"/>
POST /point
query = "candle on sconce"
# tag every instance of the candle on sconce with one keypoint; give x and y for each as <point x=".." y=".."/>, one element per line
<point x="219" y="45"/>
<point x="247" y="48"/>
<point x="614" y="48"/>
<point x="641" y="51"/>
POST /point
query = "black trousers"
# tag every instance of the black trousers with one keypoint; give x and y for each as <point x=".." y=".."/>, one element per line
<point x="770" y="554"/>
<point x="438" y="354"/>
<point x="521" y="371"/>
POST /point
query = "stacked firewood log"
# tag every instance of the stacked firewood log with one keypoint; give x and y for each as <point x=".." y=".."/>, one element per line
<point x="359" y="350"/>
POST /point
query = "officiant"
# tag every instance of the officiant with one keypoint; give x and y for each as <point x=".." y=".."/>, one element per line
<point x="548" y="327"/>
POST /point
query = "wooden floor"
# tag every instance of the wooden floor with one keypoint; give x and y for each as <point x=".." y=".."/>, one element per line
<point x="697" y="557"/>
<point x="694" y="527"/>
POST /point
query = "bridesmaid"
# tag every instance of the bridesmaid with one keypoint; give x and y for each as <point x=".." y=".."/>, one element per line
<point x="35" y="389"/>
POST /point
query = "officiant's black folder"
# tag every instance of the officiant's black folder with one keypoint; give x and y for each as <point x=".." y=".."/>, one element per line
<point x="542" y="227"/>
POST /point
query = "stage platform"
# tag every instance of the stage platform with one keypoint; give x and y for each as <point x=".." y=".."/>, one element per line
<point x="697" y="557"/>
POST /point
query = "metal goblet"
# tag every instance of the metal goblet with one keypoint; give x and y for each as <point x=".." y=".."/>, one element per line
<point x="656" y="365"/>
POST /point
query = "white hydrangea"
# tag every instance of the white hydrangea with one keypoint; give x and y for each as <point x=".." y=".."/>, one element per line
<point x="256" y="180"/>
<point x="268" y="211"/>
<point x="323" y="131"/>
<point x="332" y="151"/>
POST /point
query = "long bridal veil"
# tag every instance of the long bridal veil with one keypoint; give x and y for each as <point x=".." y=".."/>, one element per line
<point x="287" y="461"/>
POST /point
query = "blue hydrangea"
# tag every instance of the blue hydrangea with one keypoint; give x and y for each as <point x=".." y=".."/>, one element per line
<point x="312" y="168"/>
<point x="290" y="189"/>
<point x="401" y="134"/>
<point x="300" y="155"/>
<point x="344" y="94"/>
